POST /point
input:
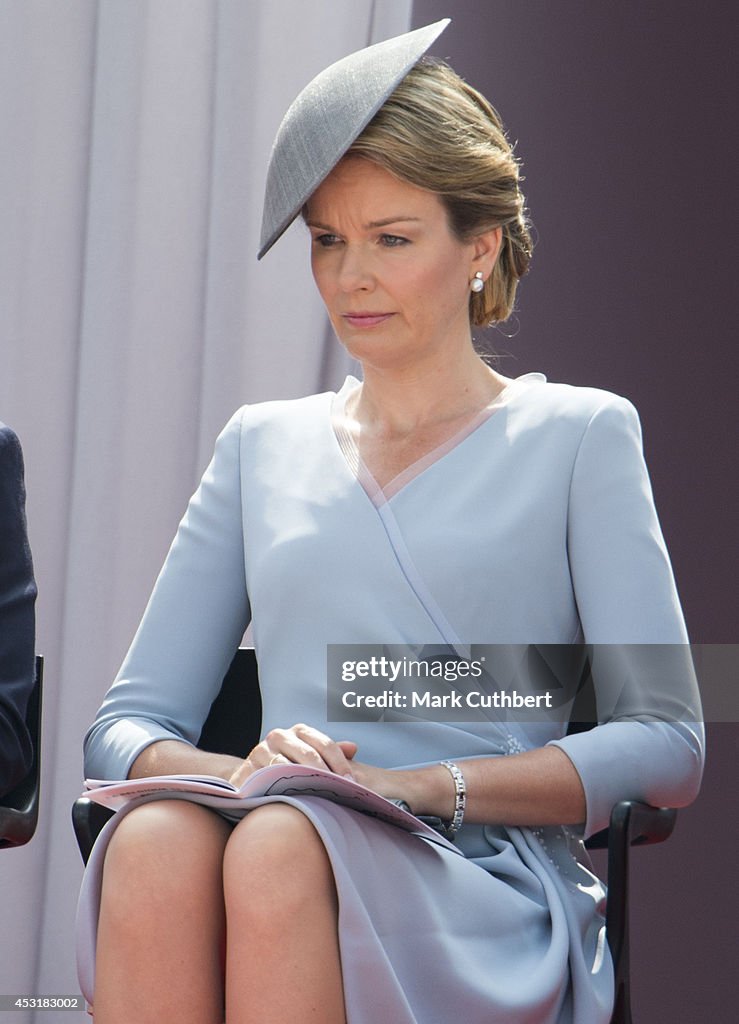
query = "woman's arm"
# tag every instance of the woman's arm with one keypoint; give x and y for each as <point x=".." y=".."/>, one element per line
<point x="172" y="757"/>
<point x="152" y="716"/>
<point x="648" y="744"/>
<point x="538" y="787"/>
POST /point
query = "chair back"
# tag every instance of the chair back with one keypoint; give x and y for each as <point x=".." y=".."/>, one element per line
<point x="235" y="717"/>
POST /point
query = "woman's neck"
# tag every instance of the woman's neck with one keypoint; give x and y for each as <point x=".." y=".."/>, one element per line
<point x="394" y="404"/>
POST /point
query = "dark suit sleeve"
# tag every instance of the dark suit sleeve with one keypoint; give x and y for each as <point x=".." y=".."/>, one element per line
<point x="17" y="622"/>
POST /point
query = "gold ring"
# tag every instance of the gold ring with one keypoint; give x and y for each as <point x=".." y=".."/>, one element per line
<point x="273" y="759"/>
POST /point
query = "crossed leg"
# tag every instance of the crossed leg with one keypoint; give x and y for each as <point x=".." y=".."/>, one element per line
<point x="176" y="877"/>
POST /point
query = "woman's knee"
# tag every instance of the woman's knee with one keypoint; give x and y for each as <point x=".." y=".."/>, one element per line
<point x="164" y="846"/>
<point x="162" y="915"/>
<point x="275" y="861"/>
<point x="276" y="835"/>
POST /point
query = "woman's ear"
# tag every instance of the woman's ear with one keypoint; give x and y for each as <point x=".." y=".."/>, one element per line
<point x="485" y="250"/>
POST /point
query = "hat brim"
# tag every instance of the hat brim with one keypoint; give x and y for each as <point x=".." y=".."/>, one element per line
<point x="327" y="117"/>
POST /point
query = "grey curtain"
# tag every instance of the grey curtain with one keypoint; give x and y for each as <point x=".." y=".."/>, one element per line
<point x="134" y="319"/>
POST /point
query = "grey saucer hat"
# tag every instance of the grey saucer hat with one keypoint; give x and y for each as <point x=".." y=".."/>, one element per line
<point x="326" y="118"/>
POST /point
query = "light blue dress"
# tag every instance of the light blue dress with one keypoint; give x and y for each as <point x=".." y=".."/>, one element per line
<point x="535" y="524"/>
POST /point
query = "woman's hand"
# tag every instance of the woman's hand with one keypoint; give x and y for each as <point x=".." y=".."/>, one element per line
<point x="301" y="744"/>
<point x="384" y="781"/>
<point x="426" y="790"/>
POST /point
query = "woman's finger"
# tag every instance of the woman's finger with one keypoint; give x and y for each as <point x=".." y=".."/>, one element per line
<point x="299" y="745"/>
<point x="332" y="754"/>
<point x="302" y="744"/>
<point x="277" y="759"/>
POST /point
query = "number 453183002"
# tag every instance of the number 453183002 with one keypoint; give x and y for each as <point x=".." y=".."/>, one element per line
<point x="42" y="1003"/>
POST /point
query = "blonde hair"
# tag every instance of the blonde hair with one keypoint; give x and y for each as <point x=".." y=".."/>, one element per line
<point x="436" y="132"/>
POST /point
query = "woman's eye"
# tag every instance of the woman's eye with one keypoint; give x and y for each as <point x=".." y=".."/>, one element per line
<point x="392" y="241"/>
<point x="326" y="241"/>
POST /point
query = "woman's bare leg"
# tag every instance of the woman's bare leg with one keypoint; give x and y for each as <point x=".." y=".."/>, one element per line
<point x="162" y="918"/>
<point x="283" y="963"/>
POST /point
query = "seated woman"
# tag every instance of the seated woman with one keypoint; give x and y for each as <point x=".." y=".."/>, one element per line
<point x="17" y="620"/>
<point x="436" y="502"/>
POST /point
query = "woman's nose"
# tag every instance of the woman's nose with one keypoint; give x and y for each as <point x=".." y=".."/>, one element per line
<point x="356" y="269"/>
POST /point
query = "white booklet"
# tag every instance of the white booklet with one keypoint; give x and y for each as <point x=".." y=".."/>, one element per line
<point x="277" y="780"/>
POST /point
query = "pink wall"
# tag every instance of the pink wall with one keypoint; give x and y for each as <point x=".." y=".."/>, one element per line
<point x="622" y="112"/>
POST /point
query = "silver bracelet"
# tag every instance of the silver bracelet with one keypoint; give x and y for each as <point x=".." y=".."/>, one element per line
<point x="460" y="799"/>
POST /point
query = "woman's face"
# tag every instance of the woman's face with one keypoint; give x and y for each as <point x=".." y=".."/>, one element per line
<point x="394" y="279"/>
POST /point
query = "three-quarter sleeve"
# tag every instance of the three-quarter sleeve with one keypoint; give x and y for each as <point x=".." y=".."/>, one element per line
<point x="649" y="742"/>
<point x="192" y="625"/>
<point x="17" y="620"/>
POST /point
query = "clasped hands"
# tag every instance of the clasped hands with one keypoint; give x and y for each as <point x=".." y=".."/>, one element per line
<point x="302" y="744"/>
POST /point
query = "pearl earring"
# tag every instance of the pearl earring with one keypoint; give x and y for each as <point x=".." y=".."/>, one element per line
<point x="477" y="284"/>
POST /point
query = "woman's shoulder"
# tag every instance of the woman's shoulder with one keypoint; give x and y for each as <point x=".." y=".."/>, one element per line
<point x="287" y="416"/>
<point x="541" y="400"/>
<point x="286" y="408"/>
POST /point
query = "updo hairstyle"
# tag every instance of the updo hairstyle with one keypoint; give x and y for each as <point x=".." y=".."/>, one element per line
<point x="438" y="133"/>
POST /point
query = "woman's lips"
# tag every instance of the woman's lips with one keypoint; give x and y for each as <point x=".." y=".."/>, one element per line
<point x="365" y="319"/>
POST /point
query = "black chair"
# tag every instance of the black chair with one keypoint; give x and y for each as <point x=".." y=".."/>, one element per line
<point x="632" y="824"/>
<point x="232" y="727"/>
<point x="19" y="807"/>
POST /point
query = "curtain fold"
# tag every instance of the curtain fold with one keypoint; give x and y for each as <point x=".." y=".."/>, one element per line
<point x="134" y="319"/>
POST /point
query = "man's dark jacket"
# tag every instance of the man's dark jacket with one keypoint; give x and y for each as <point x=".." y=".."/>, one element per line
<point x="17" y="622"/>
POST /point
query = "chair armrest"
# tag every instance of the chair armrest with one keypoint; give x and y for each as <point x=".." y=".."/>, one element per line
<point x="19" y="812"/>
<point x="635" y="823"/>
<point x="88" y="819"/>
<point x="642" y="824"/>
<point x="19" y="809"/>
